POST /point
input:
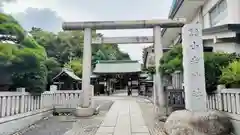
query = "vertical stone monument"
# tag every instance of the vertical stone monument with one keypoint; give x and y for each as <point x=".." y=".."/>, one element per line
<point x="193" y="65"/>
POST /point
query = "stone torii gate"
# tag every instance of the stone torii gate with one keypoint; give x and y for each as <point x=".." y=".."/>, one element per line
<point x="156" y="25"/>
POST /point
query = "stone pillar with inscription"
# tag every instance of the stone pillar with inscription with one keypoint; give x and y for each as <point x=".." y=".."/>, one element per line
<point x="193" y="65"/>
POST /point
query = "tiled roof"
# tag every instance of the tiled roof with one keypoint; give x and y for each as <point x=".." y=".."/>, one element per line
<point x="69" y="73"/>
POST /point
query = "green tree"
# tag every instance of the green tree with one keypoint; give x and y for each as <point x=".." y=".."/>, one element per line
<point x="23" y="58"/>
<point x="76" y="66"/>
<point x="64" y="46"/>
<point x="53" y="67"/>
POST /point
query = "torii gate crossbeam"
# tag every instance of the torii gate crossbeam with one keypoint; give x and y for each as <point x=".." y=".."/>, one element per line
<point x="136" y="24"/>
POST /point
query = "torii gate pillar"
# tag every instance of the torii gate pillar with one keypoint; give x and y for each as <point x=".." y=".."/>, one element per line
<point x="87" y="58"/>
<point x="158" y="52"/>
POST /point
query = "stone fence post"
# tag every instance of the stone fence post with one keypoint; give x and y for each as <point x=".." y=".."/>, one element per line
<point x="22" y="99"/>
<point x="220" y="97"/>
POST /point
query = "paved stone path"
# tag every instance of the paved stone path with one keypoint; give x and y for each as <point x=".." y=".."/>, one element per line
<point x="124" y="118"/>
<point x="123" y="93"/>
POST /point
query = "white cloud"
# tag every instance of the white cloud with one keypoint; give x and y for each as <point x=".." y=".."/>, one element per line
<point x="91" y="10"/>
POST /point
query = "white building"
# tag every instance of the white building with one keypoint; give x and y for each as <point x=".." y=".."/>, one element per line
<point x="220" y="20"/>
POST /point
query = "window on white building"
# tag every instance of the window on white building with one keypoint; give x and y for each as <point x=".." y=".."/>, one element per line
<point x="218" y="13"/>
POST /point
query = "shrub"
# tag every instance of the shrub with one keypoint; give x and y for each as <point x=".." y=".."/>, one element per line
<point x="214" y="62"/>
<point x="231" y="74"/>
<point x="171" y="61"/>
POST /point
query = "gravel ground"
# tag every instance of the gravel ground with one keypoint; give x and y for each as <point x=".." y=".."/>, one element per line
<point x="59" y="125"/>
<point x="62" y="125"/>
<point x="52" y="126"/>
<point x="87" y="126"/>
<point x="150" y="117"/>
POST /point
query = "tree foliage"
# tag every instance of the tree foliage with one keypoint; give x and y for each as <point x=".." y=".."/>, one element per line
<point x="231" y="74"/>
<point x="76" y="66"/>
<point x="214" y="62"/>
<point x="171" y="61"/>
<point x="53" y="67"/>
<point x="22" y="58"/>
<point x="67" y="48"/>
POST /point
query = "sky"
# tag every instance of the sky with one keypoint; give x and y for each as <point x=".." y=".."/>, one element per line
<point x="49" y="15"/>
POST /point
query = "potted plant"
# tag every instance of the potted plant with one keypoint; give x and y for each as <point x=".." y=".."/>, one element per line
<point x="231" y="75"/>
